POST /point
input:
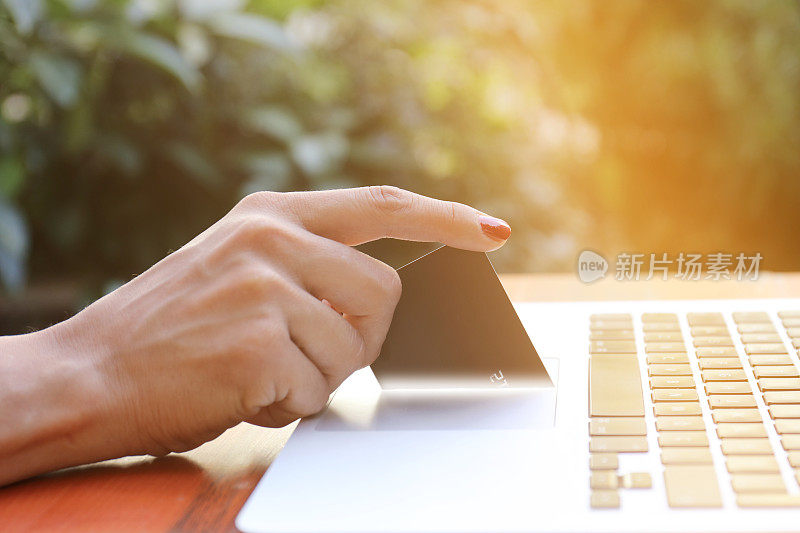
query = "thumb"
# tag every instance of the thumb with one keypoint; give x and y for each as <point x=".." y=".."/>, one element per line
<point x="355" y="216"/>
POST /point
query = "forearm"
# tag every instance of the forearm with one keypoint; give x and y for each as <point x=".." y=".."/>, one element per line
<point x="52" y="406"/>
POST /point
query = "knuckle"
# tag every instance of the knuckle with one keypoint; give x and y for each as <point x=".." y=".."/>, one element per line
<point x="254" y="361"/>
<point x="262" y="283"/>
<point x="393" y="284"/>
<point x="280" y="236"/>
<point x="389" y="199"/>
<point x="263" y="232"/>
<point x="260" y="200"/>
<point x="368" y="356"/>
<point x="310" y="392"/>
<point x="250" y="231"/>
<point x="358" y="357"/>
<point x="383" y="278"/>
<point x="271" y="332"/>
<point x="451" y="212"/>
<point x="317" y="400"/>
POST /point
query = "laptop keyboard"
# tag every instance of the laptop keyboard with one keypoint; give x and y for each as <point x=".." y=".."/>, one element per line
<point x="745" y="374"/>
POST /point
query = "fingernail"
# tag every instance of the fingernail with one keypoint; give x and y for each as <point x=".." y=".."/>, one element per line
<point x="495" y="228"/>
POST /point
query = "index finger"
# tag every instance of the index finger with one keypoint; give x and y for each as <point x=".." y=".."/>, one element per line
<point x="356" y="216"/>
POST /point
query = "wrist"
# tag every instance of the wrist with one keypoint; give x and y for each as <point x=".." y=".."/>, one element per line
<point x="53" y="398"/>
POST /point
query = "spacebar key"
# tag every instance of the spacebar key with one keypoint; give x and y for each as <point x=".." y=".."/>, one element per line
<point x="692" y="486"/>
<point x="615" y="386"/>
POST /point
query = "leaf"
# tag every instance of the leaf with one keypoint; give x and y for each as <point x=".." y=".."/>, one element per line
<point x="13" y="247"/>
<point x="12" y="175"/>
<point x="59" y="76"/>
<point x="121" y="153"/>
<point x="269" y="171"/>
<point x="253" y="28"/>
<point x="163" y="54"/>
<point x="191" y="160"/>
<point x="271" y="163"/>
<point x="26" y="13"/>
<point x="320" y="153"/>
<point x="275" y="121"/>
<point x="206" y="9"/>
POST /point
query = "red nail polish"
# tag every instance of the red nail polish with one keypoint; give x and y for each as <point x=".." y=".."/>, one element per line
<point x="495" y="228"/>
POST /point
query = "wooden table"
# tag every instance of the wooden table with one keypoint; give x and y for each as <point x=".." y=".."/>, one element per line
<point x="204" y="489"/>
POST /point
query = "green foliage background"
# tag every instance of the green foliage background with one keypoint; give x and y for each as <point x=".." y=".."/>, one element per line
<point x="126" y="127"/>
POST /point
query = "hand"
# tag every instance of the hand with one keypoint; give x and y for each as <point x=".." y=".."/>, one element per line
<point x="259" y="318"/>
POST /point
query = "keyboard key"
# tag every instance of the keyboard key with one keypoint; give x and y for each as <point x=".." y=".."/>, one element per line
<point x="735" y="415"/>
<point x="784" y="411"/>
<point x="617" y="426"/>
<point x="737" y="429"/>
<point x="768" y="347"/>
<point x="718" y="362"/>
<point x="710" y="331"/>
<point x="663" y="336"/>
<point x="672" y="382"/>
<point x="675" y="395"/>
<point x="611" y="347"/>
<point x="794" y="333"/>
<point x="677" y="409"/>
<point x="794" y="459"/>
<point x="636" y="480"/>
<point x="756" y="328"/>
<point x="773" y="397"/>
<point x="676" y="369"/>
<point x="692" y="486"/>
<point x="606" y="325"/>
<point x="790" y="443"/>
<point x="686" y="456"/>
<point x="603" y="461"/>
<point x="728" y="387"/>
<point x="789" y="314"/>
<point x="750" y="316"/>
<point x="708" y="342"/>
<point x="705" y="319"/>
<point x="660" y="326"/>
<point x="604" y="499"/>
<point x="604" y="479"/>
<point x="656" y="358"/>
<point x="775" y="372"/>
<point x="617" y="444"/>
<point x="757" y="483"/>
<point x="775" y="384"/>
<point x="733" y="446"/>
<point x="765" y="499"/>
<point x="770" y="360"/>
<point x="716" y="351"/>
<point x="680" y="423"/>
<point x="786" y="425"/>
<point x="661" y="347"/>
<point x="659" y="317"/>
<point x="750" y="338"/>
<point x="766" y="384"/>
<point x="682" y="438"/>
<point x="739" y="401"/>
<point x="611" y="335"/>
<point x="615" y="386"/>
<point x="723" y="375"/>
<point x="791" y="322"/>
<point x="765" y="464"/>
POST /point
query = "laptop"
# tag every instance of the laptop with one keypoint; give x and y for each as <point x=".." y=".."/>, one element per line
<point x="658" y="416"/>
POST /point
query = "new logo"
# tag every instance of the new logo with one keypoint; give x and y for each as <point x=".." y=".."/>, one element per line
<point x="591" y="266"/>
